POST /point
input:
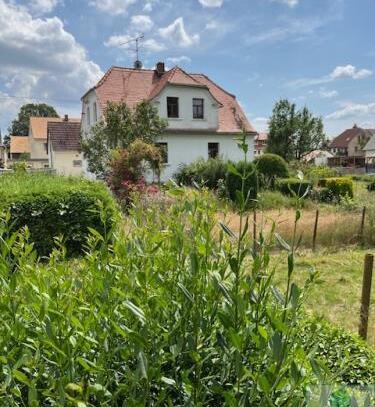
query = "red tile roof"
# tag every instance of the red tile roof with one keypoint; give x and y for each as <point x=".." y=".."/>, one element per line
<point x="134" y="85"/>
<point x="65" y="136"/>
<point x="19" y="144"/>
<point x="38" y="125"/>
<point x="343" y="140"/>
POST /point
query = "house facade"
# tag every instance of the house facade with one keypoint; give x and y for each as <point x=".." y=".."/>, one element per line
<point x="64" y="147"/>
<point x="260" y="144"/>
<point x="370" y="154"/>
<point x="348" y="147"/>
<point x="203" y="119"/>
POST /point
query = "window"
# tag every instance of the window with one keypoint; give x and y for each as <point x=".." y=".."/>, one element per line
<point x="164" y="151"/>
<point x="77" y="163"/>
<point x="213" y="150"/>
<point x="46" y="147"/>
<point x="198" y="108"/>
<point x="172" y="107"/>
<point x="95" y="113"/>
<point x="88" y="116"/>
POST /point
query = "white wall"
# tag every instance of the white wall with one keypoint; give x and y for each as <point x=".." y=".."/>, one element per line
<point x="186" y="95"/>
<point x="62" y="162"/>
<point x="89" y="100"/>
<point x="183" y="149"/>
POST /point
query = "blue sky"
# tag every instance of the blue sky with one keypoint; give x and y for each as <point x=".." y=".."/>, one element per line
<point x="319" y="53"/>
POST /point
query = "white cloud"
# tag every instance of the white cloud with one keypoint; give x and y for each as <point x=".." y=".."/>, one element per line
<point x="177" y="34"/>
<point x="211" y="3"/>
<point x="114" y="7"/>
<point x="353" y="110"/>
<point x="347" y="71"/>
<point x="122" y="41"/>
<point x="39" y="58"/>
<point x="43" y="6"/>
<point x="291" y="29"/>
<point x="149" y="5"/>
<point x="350" y="71"/>
<point x="290" y="3"/>
<point x="141" y="23"/>
<point x="179" y="60"/>
<point x="328" y="94"/>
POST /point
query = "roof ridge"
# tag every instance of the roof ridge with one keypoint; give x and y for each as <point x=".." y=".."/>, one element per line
<point x="208" y="78"/>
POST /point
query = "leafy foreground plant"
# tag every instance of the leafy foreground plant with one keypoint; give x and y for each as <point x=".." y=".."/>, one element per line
<point x="174" y="311"/>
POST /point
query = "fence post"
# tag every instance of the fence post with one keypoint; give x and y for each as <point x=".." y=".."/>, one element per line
<point x="362" y="231"/>
<point x="366" y="294"/>
<point x="315" y="229"/>
<point x="255" y="231"/>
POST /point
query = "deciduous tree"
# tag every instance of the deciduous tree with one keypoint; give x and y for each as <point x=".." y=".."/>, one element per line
<point x="20" y="126"/>
<point x="292" y="133"/>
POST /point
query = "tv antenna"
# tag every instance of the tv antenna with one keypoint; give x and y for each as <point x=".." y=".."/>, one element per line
<point x="137" y="40"/>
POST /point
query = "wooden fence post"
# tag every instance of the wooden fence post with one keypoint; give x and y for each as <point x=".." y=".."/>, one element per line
<point x="315" y="229"/>
<point x="362" y="231"/>
<point x="366" y="294"/>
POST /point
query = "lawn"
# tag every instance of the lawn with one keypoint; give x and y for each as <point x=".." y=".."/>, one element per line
<point x="336" y="295"/>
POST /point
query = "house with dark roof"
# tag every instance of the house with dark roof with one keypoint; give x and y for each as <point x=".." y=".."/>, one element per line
<point x="348" y="147"/>
<point x="369" y="150"/>
<point x="64" y="146"/>
<point x="203" y="118"/>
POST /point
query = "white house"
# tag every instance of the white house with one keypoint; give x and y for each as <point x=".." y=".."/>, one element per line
<point x="64" y="147"/>
<point x="203" y="118"/>
<point x="369" y="150"/>
<point x="317" y="157"/>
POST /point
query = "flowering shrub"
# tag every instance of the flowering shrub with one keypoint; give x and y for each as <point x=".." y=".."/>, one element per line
<point x="128" y="167"/>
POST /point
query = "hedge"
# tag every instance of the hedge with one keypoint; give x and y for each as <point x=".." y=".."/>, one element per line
<point x="52" y="206"/>
<point x="233" y="181"/>
<point x="202" y="172"/>
<point x="344" y="354"/>
<point x="271" y="166"/>
<point x="294" y="186"/>
<point x="338" y="187"/>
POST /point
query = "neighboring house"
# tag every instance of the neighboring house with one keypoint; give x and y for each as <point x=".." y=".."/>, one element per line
<point x="19" y="149"/>
<point x="260" y="144"/>
<point x="38" y="139"/>
<point x="64" y="147"/>
<point x="370" y="154"/>
<point x="203" y="118"/>
<point x="317" y="157"/>
<point x="348" y="147"/>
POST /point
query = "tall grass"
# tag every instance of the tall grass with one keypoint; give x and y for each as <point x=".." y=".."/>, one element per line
<point x="169" y="314"/>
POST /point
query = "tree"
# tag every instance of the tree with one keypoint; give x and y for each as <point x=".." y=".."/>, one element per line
<point x="20" y="126"/>
<point x="292" y="133"/>
<point x="120" y="127"/>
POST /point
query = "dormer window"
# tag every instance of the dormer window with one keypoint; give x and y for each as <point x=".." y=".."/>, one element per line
<point x="198" y="108"/>
<point x="172" y="107"/>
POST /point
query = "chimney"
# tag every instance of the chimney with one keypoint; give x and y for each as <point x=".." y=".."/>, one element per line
<point x="138" y="64"/>
<point x="66" y="118"/>
<point x="160" y="68"/>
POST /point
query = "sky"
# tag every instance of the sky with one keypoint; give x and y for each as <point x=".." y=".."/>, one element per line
<point x="316" y="53"/>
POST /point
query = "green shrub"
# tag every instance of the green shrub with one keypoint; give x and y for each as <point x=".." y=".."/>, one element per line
<point x="345" y="355"/>
<point x="202" y="172"/>
<point x="233" y="181"/>
<point x="363" y="178"/>
<point x="315" y="173"/>
<point x="270" y="167"/>
<point x="338" y="187"/>
<point x="371" y="186"/>
<point x="294" y="186"/>
<point x="52" y="206"/>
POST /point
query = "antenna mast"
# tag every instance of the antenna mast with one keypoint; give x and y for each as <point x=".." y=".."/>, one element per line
<point x="137" y="40"/>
